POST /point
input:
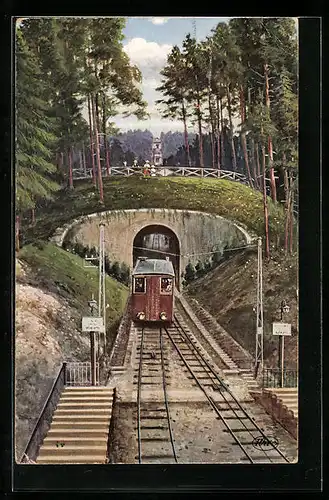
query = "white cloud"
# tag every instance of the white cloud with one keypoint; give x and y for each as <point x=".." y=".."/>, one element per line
<point x="151" y="83"/>
<point x="150" y="57"/>
<point x="159" y="20"/>
<point x="156" y="125"/>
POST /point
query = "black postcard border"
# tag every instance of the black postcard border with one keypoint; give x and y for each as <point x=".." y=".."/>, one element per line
<point x="303" y="476"/>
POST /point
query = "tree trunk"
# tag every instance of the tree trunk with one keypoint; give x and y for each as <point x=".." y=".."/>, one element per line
<point x="291" y="220"/>
<point x="267" y="240"/>
<point x="100" y="180"/>
<point x="258" y="167"/>
<point x="270" y="145"/>
<point x="231" y="129"/>
<point x="218" y="134"/>
<point x="222" y="133"/>
<point x="107" y="156"/>
<point x="84" y="159"/>
<point x="92" y="152"/>
<point x="200" y="136"/>
<point x="212" y="133"/>
<point x="33" y="216"/>
<point x="286" y="204"/>
<point x="254" y="163"/>
<point x="199" y="125"/>
<point x="287" y="223"/>
<point x="187" y="146"/>
<point x="70" y="168"/>
<point x="245" y="155"/>
<point x="17" y="233"/>
<point x="243" y="136"/>
<point x="80" y="160"/>
<point x="97" y="110"/>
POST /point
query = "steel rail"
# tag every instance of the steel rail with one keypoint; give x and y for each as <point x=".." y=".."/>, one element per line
<point x="203" y="362"/>
<point x="213" y="405"/>
<point x="196" y="353"/>
<point x="166" y="397"/>
<point x="139" y="398"/>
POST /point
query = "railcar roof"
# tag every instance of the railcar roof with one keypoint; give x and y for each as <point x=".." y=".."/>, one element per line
<point x="154" y="266"/>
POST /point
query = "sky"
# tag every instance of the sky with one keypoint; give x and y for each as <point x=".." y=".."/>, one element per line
<point x="147" y="42"/>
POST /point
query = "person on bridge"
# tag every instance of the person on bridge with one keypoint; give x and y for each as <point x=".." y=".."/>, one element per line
<point x="146" y="170"/>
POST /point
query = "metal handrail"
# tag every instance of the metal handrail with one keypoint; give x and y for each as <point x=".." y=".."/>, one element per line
<point x="272" y="377"/>
<point x="43" y="423"/>
<point x="78" y="373"/>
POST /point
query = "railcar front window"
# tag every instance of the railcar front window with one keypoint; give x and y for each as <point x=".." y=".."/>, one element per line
<point x="166" y="285"/>
<point x="139" y="285"/>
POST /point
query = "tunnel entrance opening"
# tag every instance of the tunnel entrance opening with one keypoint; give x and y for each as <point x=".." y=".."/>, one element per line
<point x="158" y="242"/>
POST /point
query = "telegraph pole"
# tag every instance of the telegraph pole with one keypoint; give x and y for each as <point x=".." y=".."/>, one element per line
<point x="259" y="357"/>
<point x="93" y="361"/>
<point x="101" y="288"/>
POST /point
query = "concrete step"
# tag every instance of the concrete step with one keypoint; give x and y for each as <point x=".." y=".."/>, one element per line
<point x="90" y="394"/>
<point x="94" y="450"/>
<point x="73" y="432"/>
<point x="83" y="411"/>
<point x="291" y="400"/>
<point x="79" y="425"/>
<point x="82" y="405"/>
<point x="74" y="440"/>
<point x="86" y="397"/>
<point x="81" y="418"/>
<point x="73" y="459"/>
<point x="88" y="388"/>
<point x="282" y="390"/>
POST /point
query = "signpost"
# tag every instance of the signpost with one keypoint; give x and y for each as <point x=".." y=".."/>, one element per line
<point x="92" y="324"/>
<point x="283" y="330"/>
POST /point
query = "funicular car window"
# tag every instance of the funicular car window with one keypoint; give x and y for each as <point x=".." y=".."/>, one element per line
<point x="166" y="285"/>
<point x="139" y="285"/>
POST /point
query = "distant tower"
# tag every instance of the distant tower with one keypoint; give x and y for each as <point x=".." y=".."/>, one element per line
<point x="157" y="152"/>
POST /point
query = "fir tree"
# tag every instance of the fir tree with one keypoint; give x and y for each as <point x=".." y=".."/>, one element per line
<point x="35" y="140"/>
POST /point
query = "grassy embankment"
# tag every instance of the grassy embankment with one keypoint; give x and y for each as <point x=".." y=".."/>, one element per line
<point x="64" y="273"/>
<point x="229" y="294"/>
<point x="231" y="200"/>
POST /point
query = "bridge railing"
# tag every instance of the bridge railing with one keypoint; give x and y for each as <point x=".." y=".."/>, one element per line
<point x="169" y="171"/>
<point x="166" y="171"/>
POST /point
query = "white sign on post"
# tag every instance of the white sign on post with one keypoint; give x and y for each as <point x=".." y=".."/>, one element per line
<point x="92" y="324"/>
<point x="281" y="329"/>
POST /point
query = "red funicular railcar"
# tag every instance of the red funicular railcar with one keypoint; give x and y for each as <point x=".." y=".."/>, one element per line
<point x="152" y="292"/>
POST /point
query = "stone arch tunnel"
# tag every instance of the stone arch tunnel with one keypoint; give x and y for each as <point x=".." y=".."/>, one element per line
<point x="193" y="235"/>
<point x="157" y="241"/>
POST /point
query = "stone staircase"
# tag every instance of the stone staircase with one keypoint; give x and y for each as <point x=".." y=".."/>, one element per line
<point x="80" y="427"/>
<point x="287" y="397"/>
<point x="231" y="347"/>
<point x="236" y="358"/>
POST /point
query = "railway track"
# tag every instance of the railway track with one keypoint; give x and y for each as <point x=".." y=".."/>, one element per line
<point x="154" y="430"/>
<point x="156" y="443"/>
<point x="254" y="445"/>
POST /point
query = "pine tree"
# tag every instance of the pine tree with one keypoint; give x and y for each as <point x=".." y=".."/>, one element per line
<point x="35" y="140"/>
<point x="189" y="273"/>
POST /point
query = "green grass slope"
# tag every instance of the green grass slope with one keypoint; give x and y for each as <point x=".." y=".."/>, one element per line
<point x="64" y="273"/>
<point x="229" y="294"/>
<point x="229" y="199"/>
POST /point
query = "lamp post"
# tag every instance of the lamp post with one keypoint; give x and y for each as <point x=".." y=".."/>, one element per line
<point x="284" y="309"/>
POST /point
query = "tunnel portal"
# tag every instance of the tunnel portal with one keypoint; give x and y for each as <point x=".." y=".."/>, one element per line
<point x="158" y="242"/>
